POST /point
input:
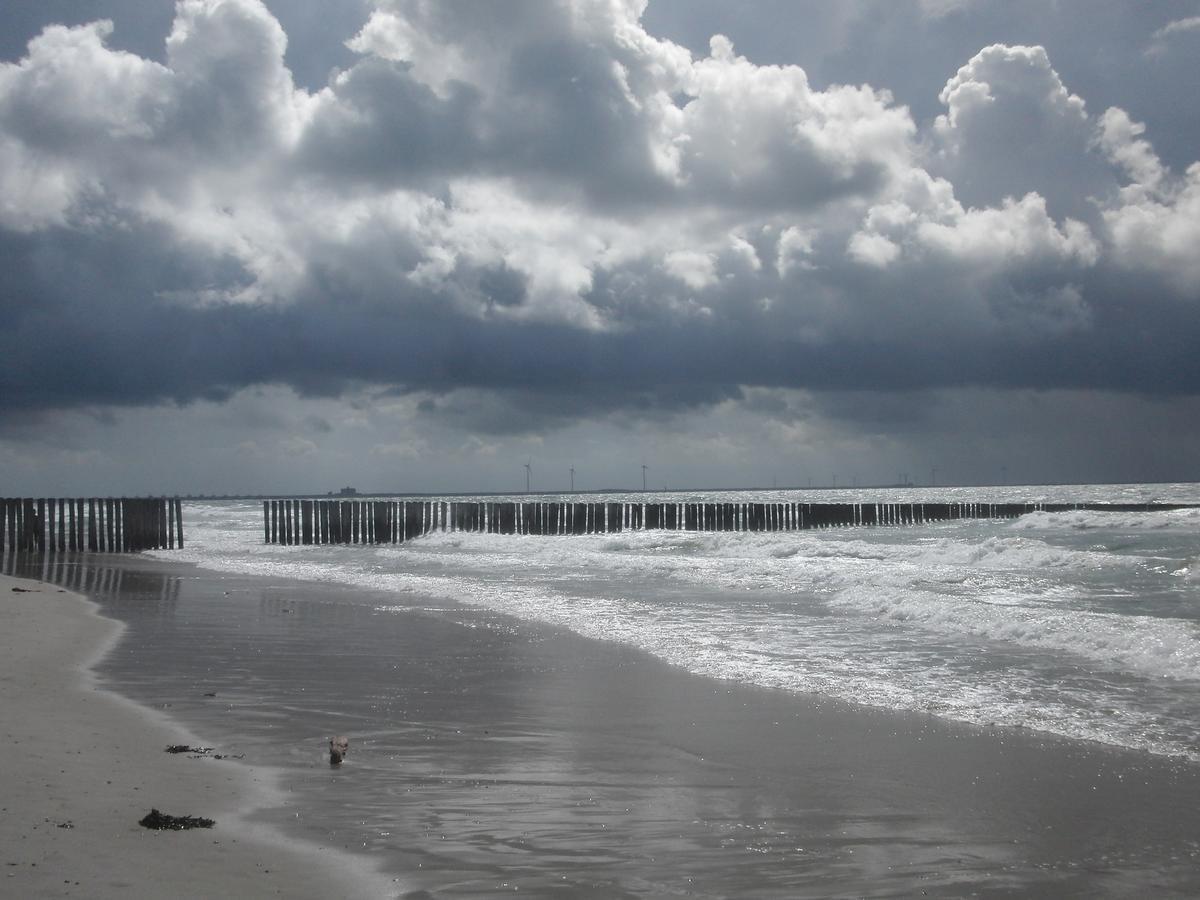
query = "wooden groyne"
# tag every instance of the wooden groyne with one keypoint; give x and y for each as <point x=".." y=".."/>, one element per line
<point x="96" y="524"/>
<point x="397" y="521"/>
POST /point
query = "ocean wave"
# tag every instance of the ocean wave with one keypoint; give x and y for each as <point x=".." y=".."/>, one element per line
<point x="1140" y="644"/>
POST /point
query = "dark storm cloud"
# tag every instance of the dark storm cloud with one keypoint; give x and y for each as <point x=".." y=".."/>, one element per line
<point x="88" y="323"/>
<point x="535" y="214"/>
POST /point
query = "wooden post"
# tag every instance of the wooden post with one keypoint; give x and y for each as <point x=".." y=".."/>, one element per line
<point x="48" y="524"/>
<point x="119" y="526"/>
<point x="91" y="526"/>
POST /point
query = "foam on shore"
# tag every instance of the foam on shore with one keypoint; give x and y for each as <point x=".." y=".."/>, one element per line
<point x="83" y="765"/>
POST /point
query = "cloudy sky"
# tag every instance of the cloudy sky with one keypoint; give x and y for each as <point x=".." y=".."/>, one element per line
<point x="289" y="245"/>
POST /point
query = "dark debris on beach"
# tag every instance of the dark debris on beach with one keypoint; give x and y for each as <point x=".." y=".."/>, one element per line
<point x="202" y="751"/>
<point x="160" y="821"/>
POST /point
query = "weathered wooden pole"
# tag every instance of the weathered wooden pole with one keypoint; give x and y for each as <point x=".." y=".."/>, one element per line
<point x="92" y="543"/>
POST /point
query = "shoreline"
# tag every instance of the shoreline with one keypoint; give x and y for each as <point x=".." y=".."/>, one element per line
<point x="84" y="764"/>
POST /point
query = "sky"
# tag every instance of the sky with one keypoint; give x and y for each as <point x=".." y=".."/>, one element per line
<point x="255" y="247"/>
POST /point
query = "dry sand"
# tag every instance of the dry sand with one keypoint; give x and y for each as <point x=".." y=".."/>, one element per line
<point x="81" y="766"/>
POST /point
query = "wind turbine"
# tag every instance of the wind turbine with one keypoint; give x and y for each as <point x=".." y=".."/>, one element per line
<point x="528" y="473"/>
<point x="644" y="467"/>
<point x="572" y="479"/>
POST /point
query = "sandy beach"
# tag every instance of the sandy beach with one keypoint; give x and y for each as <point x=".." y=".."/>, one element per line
<point x="82" y="766"/>
<point x="489" y="756"/>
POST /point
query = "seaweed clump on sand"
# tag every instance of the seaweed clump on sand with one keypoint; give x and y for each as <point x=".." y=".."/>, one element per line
<point x="162" y="822"/>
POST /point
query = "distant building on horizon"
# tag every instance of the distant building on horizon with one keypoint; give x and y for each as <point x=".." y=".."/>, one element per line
<point x="348" y="492"/>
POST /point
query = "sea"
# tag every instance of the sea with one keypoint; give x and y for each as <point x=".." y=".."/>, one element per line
<point x="506" y="695"/>
<point x="1082" y="624"/>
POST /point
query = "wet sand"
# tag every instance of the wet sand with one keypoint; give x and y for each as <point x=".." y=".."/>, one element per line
<point x="490" y="755"/>
<point x="81" y="766"/>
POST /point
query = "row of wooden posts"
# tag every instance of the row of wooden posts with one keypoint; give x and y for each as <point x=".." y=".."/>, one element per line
<point x="396" y="521"/>
<point x="96" y="524"/>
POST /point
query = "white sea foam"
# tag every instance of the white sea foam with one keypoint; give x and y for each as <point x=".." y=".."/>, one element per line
<point x="1082" y="520"/>
<point x="1139" y="644"/>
